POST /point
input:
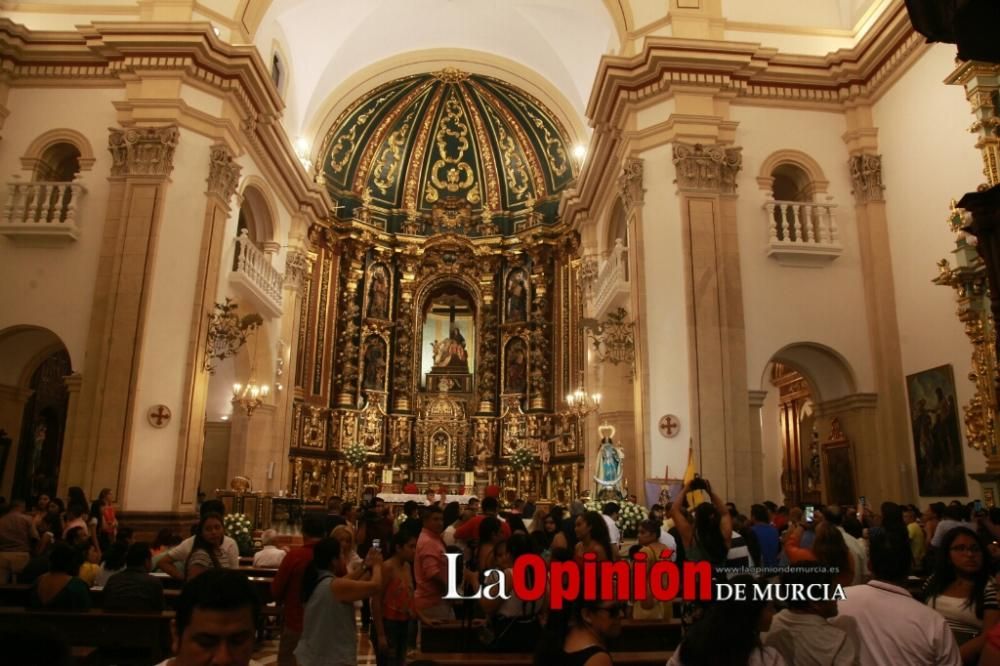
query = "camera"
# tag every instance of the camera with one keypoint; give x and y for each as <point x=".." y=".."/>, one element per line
<point x="698" y="483"/>
<point x="377" y="544"/>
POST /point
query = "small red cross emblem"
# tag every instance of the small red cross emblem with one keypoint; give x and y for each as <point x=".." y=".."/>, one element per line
<point x="669" y="426"/>
<point x="159" y="416"/>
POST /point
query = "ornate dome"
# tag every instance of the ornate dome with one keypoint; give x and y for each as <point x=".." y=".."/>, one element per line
<point x="448" y="151"/>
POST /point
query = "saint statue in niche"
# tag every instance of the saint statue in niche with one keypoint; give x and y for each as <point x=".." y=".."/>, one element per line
<point x="374" y="377"/>
<point x="516" y="372"/>
<point x="517" y="296"/>
<point x="439" y="450"/>
<point x="451" y="352"/>
<point x="378" y="293"/>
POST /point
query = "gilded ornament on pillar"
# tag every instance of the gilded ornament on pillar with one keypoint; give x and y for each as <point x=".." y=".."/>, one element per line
<point x="630" y="183"/>
<point x="707" y="167"/>
<point x="866" y="178"/>
<point x="143" y="151"/>
<point x="223" y="172"/>
<point x="968" y="279"/>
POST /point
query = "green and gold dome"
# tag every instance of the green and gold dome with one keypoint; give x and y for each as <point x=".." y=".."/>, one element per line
<point x="448" y="151"/>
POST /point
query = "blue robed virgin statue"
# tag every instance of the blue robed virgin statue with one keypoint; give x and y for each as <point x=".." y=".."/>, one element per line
<point x="610" y="463"/>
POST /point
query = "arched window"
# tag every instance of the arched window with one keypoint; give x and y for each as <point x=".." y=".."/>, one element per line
<point x="59" y="163"/>
<point x="277" y="71"/>
<point x="791" y="183"/>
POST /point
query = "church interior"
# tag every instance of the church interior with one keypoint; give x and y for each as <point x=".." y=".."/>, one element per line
<point x="278" y="251"/>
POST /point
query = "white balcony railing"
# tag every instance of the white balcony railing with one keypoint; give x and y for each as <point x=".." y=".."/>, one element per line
<point x="802" y="233"/>
<point x="41" y="212"/>
<point x="253" y="271"/>
<point x="611" y="288"/>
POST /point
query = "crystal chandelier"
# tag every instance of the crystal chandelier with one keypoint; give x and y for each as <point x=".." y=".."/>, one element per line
<point x="251" y="395"/>
<point x="580" y="404"/>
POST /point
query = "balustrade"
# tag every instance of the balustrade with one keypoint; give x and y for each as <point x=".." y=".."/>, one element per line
<point x="252" y="268"/>
<point x="41" y="210"/>
<point x="802" y="232"/>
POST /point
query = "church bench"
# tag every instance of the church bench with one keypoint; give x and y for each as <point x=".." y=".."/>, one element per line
<point x="633" y="658"/>
<point x="636" y="636"/>
<point x="18" y="595"/>
<point x="145" y="637"/>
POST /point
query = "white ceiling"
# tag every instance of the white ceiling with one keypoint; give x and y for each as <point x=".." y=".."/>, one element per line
<point x="836" y="14"/>
<point x="327" y="41"/>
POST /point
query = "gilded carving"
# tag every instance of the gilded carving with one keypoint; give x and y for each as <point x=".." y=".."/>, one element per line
<point x="866" y="178"/>
<point x="707" y="167"/>
<point x="390" y="160"/>
<point x="452" y="141"/>
<point x="223" y="172"/>
<point x="969" y="280"/>
<point x="143" y="151"/>
<point x="630" y="183"/>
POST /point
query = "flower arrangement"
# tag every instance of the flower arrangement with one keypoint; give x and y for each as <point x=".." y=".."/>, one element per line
<point x="629" y="516"/>
<point x="522" y="458"/>
<point x="355" y="454"/>
<point x="238" y="527"/>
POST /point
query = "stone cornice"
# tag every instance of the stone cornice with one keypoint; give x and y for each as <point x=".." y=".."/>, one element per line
<point x="754" y="72"/>
<point x="745" y="73"/>
<point x="113" y="54"/>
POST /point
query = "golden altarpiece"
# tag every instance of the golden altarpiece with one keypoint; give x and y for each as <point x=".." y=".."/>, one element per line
<point x="440" y="324"/>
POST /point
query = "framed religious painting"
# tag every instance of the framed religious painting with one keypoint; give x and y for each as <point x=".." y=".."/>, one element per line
<point x="839" y="484"/>
<point x="937" y="438"/>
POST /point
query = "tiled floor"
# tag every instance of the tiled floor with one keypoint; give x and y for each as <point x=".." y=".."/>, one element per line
<point x="267" y="654"/>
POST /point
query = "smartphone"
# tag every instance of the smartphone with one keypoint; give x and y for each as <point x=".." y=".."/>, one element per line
<point x="862" y="501"/>
<point x="377" y="544"/>
<point x="978" y="506"/>
<point x="809" y="512"/>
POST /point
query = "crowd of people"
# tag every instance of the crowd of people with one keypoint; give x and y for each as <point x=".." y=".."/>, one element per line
<point x="919" y="587"/>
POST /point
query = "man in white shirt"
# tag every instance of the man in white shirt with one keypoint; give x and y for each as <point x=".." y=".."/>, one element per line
<point x="954" y="516"/>
<point x="179" y="553"/>
<point x="892" y="627"/>
<point x="270" y="556"/>
<point x="610" y="515"/>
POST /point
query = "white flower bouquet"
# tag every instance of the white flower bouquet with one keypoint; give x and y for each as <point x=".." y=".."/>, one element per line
<point x="522" y="458"/>
<point x="355" y="454"/>
<point x="238" y="527"/>
<point x="629" y="516"/>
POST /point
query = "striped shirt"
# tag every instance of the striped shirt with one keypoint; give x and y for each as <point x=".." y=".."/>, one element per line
<point x="960" y="614"/>
<point x="738" y="556"/>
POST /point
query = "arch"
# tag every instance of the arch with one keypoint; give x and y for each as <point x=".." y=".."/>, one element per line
<point x="35" y="363"/>
<point x="617" y="225"/>
<point x="22" y="349"/>
<point x="828" y="373"/>
<point x="258" y="207"/>
<point x="32" y="157"/>
<point x="818" y="183"/>
<point x="360" y="83"/>
<point x="279" y="57"/>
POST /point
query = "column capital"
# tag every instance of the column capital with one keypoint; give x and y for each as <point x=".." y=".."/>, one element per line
<point x="707" y="167"/>
<point x="866" y="178"/>
<point x="630" y="183"/>
<point x="298" y="267"/>
<point x="223" y="172"/>
<point x="143" y="151"/>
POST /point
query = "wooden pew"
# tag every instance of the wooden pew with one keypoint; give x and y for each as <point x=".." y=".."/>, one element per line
<point x="631" y="658"/>
<point x="636" y="636"/>
<point x="133" y="637"/>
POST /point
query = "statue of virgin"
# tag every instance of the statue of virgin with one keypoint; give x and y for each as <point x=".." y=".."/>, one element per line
<point x="610" y="462"/>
